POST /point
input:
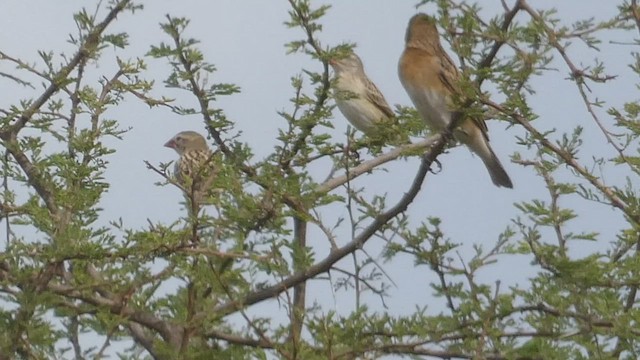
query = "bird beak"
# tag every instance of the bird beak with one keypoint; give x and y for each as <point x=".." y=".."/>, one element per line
<point x="170" y="144"/>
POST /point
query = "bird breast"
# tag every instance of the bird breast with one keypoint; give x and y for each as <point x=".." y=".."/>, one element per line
<point x="432" y="105"/>
<point x="358" y="110"/>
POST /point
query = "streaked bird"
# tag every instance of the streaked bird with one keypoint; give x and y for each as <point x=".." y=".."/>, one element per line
<point x="430" y="78"/>
<point x="194" y="169"/>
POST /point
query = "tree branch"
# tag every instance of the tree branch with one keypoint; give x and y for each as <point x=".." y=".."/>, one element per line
<point x="336" y="255"/>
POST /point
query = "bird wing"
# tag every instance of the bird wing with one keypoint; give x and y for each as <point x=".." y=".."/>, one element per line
<point x="375" y="96"/>
<point x="448" y="75"/>
<point x="448" y="72"/>
<point x="206" y="172"/>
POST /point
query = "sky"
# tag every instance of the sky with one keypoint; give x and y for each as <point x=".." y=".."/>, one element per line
<point x="245" y="40"/>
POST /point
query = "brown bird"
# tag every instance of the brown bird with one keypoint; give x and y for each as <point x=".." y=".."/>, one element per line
<point x="193" y="170"/>
<point x="430" y="78"/>
<point x="357" y="97"/>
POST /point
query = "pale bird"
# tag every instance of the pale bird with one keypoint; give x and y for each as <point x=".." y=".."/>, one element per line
<point x="357" y="97"/>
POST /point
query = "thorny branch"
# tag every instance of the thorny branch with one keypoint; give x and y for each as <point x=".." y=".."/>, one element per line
<point x="569" y="160"/>
<point x="9" y="134"/>
<point x="323" y="95"/>
<point x="335" y="255"/>
<point x="578" y="75"/>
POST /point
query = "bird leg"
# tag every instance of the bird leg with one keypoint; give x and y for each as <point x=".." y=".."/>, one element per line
<point x="437" y="162"/>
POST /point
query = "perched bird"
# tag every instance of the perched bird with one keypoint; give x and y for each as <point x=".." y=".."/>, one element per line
<point x="357" y="97"/>
<point x="193" y="170"/>
<point x="430" y="78"/>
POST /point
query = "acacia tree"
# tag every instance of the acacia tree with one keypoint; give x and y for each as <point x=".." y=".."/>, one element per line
<point x="188" y="289"/>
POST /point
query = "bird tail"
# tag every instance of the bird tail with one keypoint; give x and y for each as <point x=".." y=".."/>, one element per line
<point x="477" y="140"/>
<point x="497" y="172"/>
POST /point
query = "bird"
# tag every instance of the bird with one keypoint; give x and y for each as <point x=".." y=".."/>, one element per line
<point x="193" y="170"/>
<point x="357" y="97"/>
<point x="430" y="77"/>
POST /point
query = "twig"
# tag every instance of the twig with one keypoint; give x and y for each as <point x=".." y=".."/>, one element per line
<point x="336" y="255"/>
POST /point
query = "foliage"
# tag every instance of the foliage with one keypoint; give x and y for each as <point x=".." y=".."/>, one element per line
<point x="189" y="289"/>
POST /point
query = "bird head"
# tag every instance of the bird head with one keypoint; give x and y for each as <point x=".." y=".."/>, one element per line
<point x="186" y="141"/>
<point x="422" y="30"/>
<point x="349" y="63"/>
